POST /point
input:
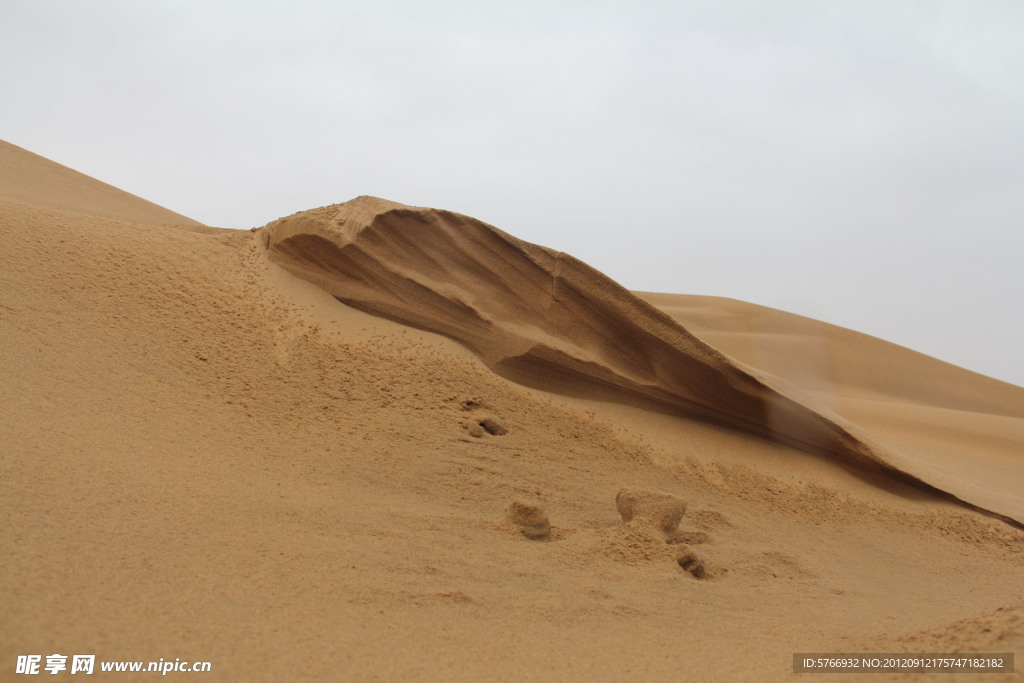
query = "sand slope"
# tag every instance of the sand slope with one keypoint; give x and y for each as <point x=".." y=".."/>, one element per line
<point x="819" y="357"/>
<point x="958" y="430"/>
<point x="36" y="181"/>
<point x="207" y="458"/>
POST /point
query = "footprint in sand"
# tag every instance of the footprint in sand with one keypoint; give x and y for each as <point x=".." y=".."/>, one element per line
<point x="693" y="564"/>
<point x="663" y="512"/>
<point x="649" y="530"/>
<point x="480" y="422"/>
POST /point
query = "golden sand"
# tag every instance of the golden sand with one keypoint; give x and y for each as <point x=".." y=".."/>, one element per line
<point x="373" y="441"/>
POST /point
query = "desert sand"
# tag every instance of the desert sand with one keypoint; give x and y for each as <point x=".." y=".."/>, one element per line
<point x="372" y="441"/>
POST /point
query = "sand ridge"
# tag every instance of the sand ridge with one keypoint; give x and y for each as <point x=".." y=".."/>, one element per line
<point x="531" y="314"/>
<point x="547" y="320"/>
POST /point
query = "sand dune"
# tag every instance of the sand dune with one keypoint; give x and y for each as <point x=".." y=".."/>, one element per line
<point x="33" y="180"/>
<point x="834" y="360"/>
<point x="208" y="456"/>
<point x="540" y="317"/>
<point x="547" y="320"/>
<point x="955" y="429"/>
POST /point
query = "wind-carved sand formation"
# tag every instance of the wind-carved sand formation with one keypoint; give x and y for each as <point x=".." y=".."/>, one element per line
<point x="535" y="315"/>
<point x="548" y="320"/>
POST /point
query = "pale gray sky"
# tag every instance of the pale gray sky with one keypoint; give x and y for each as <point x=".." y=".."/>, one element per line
<point x="860" y="162"/>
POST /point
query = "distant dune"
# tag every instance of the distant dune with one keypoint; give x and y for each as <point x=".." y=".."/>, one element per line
<point x="955" y="429"/>
<point x="379" y="442"/>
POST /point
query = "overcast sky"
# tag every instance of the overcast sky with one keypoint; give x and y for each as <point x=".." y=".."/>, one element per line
<point x="860" y="162"/>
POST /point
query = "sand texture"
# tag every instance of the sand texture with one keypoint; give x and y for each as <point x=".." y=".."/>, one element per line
<point x="30" y="179"/>
<point x="379" y="442"/>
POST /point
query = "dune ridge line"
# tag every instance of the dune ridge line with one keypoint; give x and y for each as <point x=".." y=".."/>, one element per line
<point x="539" y="317"/>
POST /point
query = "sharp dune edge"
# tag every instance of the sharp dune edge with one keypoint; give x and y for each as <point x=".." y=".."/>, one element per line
<point x="377" y="442"/>
<point x="541" y="317"/>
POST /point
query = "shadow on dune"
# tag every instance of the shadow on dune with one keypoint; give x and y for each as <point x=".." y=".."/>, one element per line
<point x="544" y="319"/>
